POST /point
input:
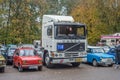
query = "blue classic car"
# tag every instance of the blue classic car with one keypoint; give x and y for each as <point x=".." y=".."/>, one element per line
<point x="97" y="56"/>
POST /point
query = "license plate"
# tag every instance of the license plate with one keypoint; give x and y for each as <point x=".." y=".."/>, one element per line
<point x="33" y="67"/>
<point x="78" y="60"/>
<point x="71" y="59"/>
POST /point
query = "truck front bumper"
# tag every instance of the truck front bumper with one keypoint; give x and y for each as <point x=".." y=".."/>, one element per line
<point x="66" y="60"/>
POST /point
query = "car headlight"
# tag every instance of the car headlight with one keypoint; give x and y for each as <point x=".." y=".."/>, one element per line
<point x="103" y="60"/>
<point x="39" y="61"/>
<point x="24" y="62"/>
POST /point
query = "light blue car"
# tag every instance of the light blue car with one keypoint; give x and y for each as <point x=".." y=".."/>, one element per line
<point x="97" y="56"/>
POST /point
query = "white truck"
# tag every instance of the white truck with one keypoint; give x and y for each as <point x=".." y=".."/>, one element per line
<point x="63" y="40"/>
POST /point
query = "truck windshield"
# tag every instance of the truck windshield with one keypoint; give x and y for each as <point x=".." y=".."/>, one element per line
<point x="70" y="32"/>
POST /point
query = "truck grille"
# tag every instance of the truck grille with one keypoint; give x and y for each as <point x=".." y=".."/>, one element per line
<point x="71" y="54"/>
<point x="68" y="47"/>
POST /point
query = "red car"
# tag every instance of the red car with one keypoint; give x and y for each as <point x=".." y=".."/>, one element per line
<point x="25" y="57"/>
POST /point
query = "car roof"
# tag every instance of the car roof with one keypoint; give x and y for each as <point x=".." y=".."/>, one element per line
<point x="26" y="45"/>
<point x="25" y="48"/>
<point x="93" y="47"/>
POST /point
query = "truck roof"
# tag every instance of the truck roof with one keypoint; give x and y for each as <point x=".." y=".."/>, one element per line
<point x="57" y="18"/>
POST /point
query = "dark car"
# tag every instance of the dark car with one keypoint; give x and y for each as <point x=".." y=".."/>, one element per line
<point x="9" y="54"/>
<point x="112" y="52"/>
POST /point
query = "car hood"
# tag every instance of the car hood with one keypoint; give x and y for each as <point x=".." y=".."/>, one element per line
<point x="30" y="58"/>
<point x="1" y="57"/>
<point x="104" y="55"/>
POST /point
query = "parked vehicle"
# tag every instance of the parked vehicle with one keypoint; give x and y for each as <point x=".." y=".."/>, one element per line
<point x="2" y="62"/>
<point x="26" y="45"/>
<point x="112" y="52"/>
<point x="9" y="53"/>
<point x="97" y="56"/>
<point x="106" y="48"/>
<point x="26" y="58"/>
<point x="63" y="40"/>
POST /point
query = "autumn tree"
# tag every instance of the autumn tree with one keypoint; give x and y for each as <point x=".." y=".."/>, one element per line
<point x="99" y="17"/>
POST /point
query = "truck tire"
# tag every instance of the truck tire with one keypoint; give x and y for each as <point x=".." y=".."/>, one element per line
<point x="95" y="63"/>
<point x="47" y="61"/>
<point x="76" y="64"/>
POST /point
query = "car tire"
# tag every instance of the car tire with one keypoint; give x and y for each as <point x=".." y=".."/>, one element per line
<point x="40" y="68"/>
<point x="75" y="64"/>
<point x="47" y="61"/>
<point x="20" y="69"/>
<point x="14" y="65"/>
<point x="3" y="69"/>
<point x="95" y="63"/>
<point x="110" y="65"/>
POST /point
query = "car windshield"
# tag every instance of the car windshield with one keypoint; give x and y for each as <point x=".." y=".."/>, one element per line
<point x="27" y="52"/>
<point x="106" y="49"/>
<point x="98" y="50"/>
<point x="11" y="51"/>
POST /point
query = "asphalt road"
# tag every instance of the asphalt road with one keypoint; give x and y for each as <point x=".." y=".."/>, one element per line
<point x="64" y="72"/>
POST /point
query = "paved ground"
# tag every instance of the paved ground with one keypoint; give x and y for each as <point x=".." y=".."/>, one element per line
<point x="64" y="72"/>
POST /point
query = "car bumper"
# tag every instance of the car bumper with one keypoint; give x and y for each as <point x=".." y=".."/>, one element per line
<point x="35" y="66"/>
<point x="66" y="60"/>
<point x="1" y="66"/>
<point x="106" y="63"/>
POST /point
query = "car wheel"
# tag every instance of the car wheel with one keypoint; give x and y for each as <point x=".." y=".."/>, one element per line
<point x="20" y="69"/>
<point x="110" y="65"/>
<point x="75" y="64"/>
<point x="3" y="70"/>
<point x="95" y="64"/>
<point x="7" y="62"/>
<point x="47" y="61"/>
<point x="14" y="65"/>
<point x="40" y="68"/>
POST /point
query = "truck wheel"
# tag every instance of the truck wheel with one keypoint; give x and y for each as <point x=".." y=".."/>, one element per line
<point x="20" y="69"/>
<point x="47" y="61"/>
<point x="94" y="63"/>
<point x="75" y="64"/>
<point x="40" y="68"/>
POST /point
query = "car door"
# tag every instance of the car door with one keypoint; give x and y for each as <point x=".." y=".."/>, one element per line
<point x="15" y="57"/>
<point x="89" y="55"/>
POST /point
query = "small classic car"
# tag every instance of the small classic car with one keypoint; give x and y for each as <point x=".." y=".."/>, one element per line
<point x="25" y="57"/>
<point x="97" y="56"/>
<point x="2" y="62"/>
